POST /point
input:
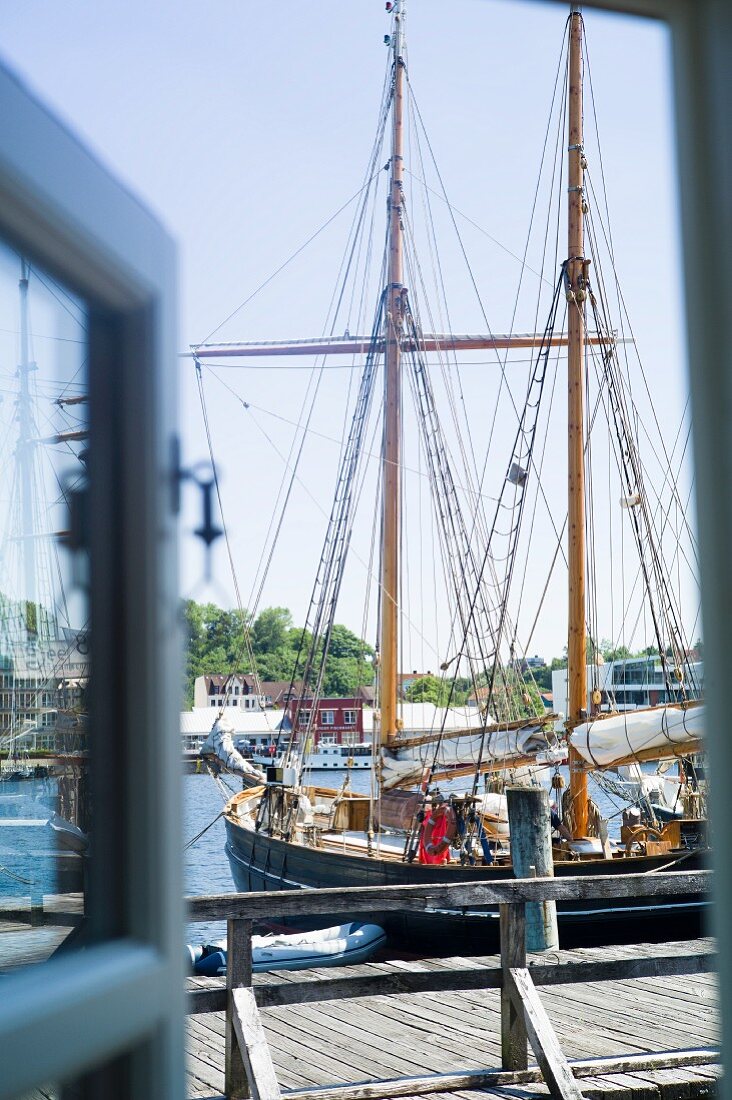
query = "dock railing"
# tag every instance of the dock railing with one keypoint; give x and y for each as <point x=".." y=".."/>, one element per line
<point x="249" y="1070"/>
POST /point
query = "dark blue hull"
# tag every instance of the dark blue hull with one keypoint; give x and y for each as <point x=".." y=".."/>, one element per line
<point x="261" y="862"/>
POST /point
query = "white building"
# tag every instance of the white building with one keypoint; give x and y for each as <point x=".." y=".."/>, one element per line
<point x="260" y="727"/>
<point x="39" y="679"/>
<point x="425" y="718"/>
<point x="243" y="691"/>
<point x="628" y="684"/>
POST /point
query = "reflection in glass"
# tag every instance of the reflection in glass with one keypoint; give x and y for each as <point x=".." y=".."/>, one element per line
<point x="44" y="645"/>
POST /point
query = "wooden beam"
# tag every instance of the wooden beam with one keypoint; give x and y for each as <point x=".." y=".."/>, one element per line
<point x="669" y="751"/>
<point x="267" y="904"/>
<point x="514" y="1053"/>
<point x="205" y="1000"/>
<point x="440" y="981"/>
<point x="361" y="345"/>
<point x="467" y="731"/>
<point x="555" y="1068"/>
<point x="254" y="1047"/>
<point x="487" y="1079"/>
<point x="238" y="974"/>
<point x="494" y="765"/>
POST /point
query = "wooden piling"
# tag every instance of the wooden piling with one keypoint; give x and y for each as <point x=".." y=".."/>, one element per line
<point x="531" y="853"/>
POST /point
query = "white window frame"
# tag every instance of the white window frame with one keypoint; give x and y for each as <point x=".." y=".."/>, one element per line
<point x="330" y="719"/>
<point x="350" y="717"/>
<point x="121" y="998"/>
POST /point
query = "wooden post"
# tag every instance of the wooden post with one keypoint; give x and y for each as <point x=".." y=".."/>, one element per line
<point x="514" y="1050"/>
<point x="531" y="854"/>
<point x="555" y="1068"/>
<point x="391" y="469"/>
<point x="576" y="643"/>
<point x="254" y="1046"/>
<point x="238" y="973"/>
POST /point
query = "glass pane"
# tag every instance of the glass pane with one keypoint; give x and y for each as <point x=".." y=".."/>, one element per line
<point x="44" y="644"/>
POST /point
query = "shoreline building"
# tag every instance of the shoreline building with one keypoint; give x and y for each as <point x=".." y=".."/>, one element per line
<point x="43" y="694"/>
<point x="629" y="684"/>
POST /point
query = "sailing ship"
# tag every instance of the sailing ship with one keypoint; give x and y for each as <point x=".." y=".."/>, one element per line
<point x="43" y="655"/>
<point x="286" y="832"/>
<point x="44" y="646"/>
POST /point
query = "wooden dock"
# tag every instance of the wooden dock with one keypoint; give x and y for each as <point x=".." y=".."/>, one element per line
<point x="630" y="1023"/>
<point x="31" y="929"/>
<point x="635" y="1022"/>
<point x="405" y="1035"/>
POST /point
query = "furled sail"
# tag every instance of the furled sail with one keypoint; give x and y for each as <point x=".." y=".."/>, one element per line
<point x="406" y="764"/>
<point x="639" y="734"/>
<point x="220" y="743"/>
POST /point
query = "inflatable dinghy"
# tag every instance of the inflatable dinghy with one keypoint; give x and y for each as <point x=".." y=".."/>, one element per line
<point x="337" y="946"/>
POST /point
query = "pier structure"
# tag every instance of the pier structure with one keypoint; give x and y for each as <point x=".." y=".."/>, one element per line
<point x="635" y="1022"/>
<point x="630" y="1022"/>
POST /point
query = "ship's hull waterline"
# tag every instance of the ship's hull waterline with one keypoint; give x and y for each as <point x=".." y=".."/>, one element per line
<point x="261" y="862"/>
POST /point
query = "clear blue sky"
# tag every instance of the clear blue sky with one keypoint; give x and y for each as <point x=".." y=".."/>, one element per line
<point x="246" y="126"/>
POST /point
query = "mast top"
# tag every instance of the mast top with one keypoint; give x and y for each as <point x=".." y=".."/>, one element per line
<point x="398" y="8"/>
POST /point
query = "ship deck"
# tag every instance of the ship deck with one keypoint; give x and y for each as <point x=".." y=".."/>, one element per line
<point x="382" y="1037"/>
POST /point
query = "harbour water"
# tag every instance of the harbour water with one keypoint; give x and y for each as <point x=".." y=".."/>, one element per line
<point x="26" y="804"/>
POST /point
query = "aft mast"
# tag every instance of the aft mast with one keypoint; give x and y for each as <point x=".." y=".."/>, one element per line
<point x="391" y="470"/>
<point x="576" y="277"/>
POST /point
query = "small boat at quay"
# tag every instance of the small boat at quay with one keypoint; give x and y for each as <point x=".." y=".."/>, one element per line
<point x="345" y="943"/>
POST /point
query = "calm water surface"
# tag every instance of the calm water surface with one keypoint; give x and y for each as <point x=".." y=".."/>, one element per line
<point x="26" y="843"/>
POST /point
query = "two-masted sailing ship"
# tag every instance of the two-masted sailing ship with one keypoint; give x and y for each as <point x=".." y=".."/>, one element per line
<point x="44" y="662"/>
<point x="287" y="832"/>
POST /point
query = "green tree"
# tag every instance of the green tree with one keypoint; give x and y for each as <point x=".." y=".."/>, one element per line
<point x="542" y="677"/>
<point x="426" y="689"/>
<point x="345" y="675"/>
<point x="270" y="630"/>
<point x="614" y="653"/>
<point x="430" y="689"/>
<point x="344" y="643"/>
<point x="215" y="642"/>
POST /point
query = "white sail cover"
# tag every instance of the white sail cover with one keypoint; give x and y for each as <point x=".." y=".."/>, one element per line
<point x="401" y="766"/>
<point x="221" y="744"/>
<point x="605" y="741"/>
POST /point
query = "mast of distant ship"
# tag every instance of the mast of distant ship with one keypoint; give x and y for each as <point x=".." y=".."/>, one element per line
<point x="391" y="470"/>
<point x="576" y="276"/>
<point x="25" y="459"/>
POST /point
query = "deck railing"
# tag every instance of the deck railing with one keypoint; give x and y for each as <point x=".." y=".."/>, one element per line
<point x="249" y="1069"/>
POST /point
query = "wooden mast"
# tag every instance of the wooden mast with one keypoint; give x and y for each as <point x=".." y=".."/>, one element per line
<point x="391" y="469"/>
<point x="576" y="271"/>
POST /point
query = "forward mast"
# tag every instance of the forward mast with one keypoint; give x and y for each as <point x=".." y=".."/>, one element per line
<point x="576" y="272"/>
<point x="391" y="471"/>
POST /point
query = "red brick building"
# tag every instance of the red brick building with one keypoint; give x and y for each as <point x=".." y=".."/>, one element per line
<point x="339" y="720"/>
